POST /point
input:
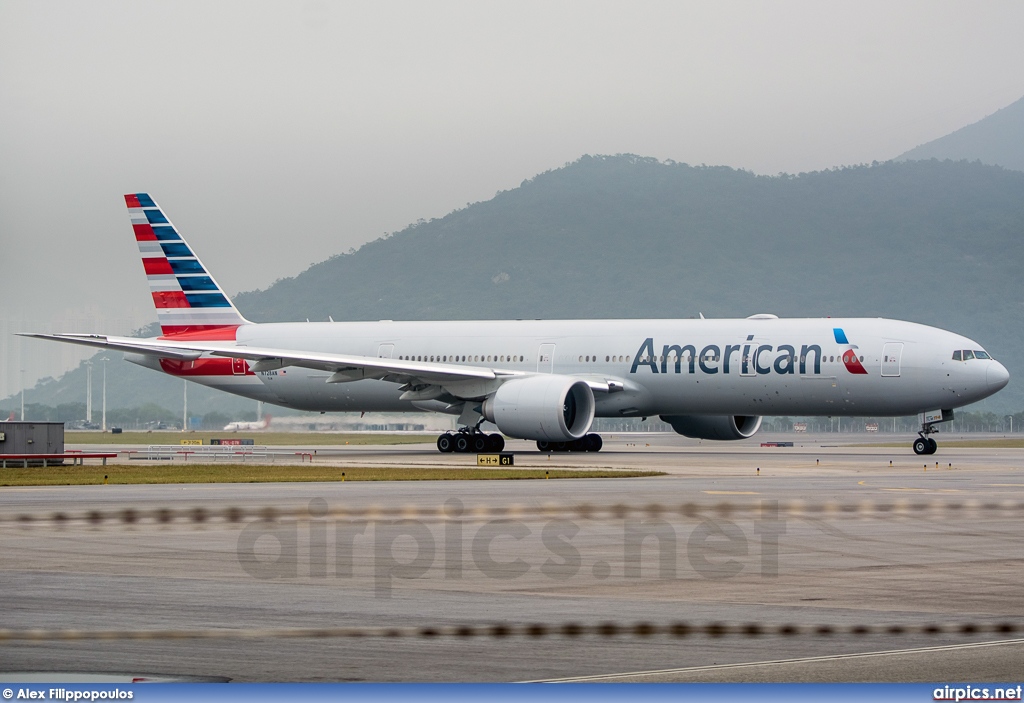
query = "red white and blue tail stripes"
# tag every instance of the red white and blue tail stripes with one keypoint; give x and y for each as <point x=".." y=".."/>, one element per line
<point x="188" y="301"/>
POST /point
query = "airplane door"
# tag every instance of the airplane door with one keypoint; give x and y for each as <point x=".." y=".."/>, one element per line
<point x="546" y="358"/>
<point x="892" y="352"/>
<point x="747" y="367"/>
<point x="238" y="367"/>
<point x="384" y="351"/>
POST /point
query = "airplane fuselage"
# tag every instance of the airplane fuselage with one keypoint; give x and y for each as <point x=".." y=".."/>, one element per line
<point x="756" y="366"/>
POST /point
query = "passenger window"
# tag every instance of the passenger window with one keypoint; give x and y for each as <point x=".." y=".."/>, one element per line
<point x="968" y="355"/>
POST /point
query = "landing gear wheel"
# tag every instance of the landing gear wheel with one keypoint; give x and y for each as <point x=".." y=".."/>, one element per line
<point x="461" y="443"/>
<point x="479" y="443"/>
<point x="495" y="443"/>
<point x="596" y="443"/>
<point x="932" y="445"/>
<point x="446" y="443"/>
<point x="921" y="446"/>
<point x="543" y="445"/>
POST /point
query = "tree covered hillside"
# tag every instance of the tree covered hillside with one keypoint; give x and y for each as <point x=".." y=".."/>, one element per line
<point x="623" y="236"/>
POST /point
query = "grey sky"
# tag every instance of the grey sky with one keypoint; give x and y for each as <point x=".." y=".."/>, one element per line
<point x="276" y="134"/>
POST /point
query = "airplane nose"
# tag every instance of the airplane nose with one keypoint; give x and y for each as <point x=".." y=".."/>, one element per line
<point x="997" y="376"/>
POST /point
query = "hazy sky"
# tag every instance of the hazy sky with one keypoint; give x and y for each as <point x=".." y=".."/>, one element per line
<point x="276" y="134"/>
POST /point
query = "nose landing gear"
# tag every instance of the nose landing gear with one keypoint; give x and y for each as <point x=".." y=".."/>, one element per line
<point x="925" y="444"/>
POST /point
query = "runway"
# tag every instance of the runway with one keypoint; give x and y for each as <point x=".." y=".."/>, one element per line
<point x="921" y="544"/>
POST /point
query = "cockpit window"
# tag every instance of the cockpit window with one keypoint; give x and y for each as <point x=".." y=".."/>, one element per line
<point x="958" y="355"/>
<point x="968" y="355"/>
<point x="978" y="354"/>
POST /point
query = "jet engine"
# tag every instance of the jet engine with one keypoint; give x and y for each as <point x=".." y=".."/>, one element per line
<point x="545" y="407"/>
<point x="714" y="426"/>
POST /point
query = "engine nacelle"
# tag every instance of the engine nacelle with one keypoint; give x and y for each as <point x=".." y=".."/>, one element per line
<point x="543" y="407"/>
<point x="714" y="426"/>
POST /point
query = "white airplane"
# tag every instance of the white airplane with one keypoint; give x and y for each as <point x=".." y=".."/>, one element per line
<point x="546" y="380"/>
<point x="243" y="426"/>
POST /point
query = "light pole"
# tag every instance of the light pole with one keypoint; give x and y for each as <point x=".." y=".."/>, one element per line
<point x="184" y="411"/>
<point x="88" y="391"/>
<point x="23" y="395"/>
<point x="104" y="426"/>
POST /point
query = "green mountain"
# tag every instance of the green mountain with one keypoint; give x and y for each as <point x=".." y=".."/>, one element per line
<point x="623" y="236"/>
<point x="997" y="139"/>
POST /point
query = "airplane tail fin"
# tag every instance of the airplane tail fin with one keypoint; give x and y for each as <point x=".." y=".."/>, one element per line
<point x="189" y="302"/>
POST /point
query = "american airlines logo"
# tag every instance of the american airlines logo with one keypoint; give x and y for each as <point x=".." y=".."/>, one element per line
<point x="747" y="358"/>
<point x="850" y="359"/>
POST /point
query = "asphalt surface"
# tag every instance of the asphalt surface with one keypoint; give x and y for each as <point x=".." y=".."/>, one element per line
<point x="900" y="555"/>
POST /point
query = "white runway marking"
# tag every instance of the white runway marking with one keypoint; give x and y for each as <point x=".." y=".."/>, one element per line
<point x="775" y="662"/>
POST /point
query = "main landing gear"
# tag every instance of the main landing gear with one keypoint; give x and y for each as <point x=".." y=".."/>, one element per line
<point x="470" y="441"/>
<point x="586" y="443"/>
<point x="925" y="444"/>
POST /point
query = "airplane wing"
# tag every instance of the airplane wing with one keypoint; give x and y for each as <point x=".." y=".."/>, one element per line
<point x="123" y="344"/>
<point x="343" y="367"/>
